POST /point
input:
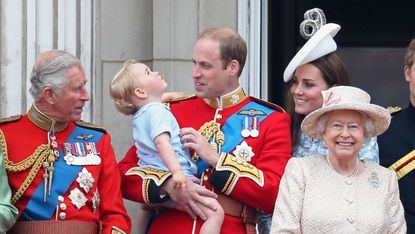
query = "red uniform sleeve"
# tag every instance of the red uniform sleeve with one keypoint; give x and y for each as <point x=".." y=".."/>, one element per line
<point x="141" y="184"/>
<point x="130" y="184"/>
<point x="113" y="213"/>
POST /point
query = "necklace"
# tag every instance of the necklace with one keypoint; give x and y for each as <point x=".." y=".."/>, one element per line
<point x="352" y="173"/>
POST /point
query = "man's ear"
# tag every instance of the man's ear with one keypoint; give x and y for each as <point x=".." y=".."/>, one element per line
<point x="49" y="95"/>
<point x="407" y="73"/>
<point x="140" y="93"/>
<point x="233" y="67"/>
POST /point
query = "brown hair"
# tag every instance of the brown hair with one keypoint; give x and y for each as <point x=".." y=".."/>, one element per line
<point x="410" y="54"/>
<point x="232" y="46"/>
<point x="334" y="73"/>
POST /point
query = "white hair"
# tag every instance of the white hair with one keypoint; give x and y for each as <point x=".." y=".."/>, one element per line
<point x="368" y="125"/>
<point x="51" y="72"/>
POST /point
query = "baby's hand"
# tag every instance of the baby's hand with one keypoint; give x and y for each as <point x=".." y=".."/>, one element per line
<point x="179" y="180"/>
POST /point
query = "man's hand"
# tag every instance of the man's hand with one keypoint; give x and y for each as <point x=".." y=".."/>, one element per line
<point x="191" y="198"/>
<point x="191" y="139"/>
<point x="171" y="96"/>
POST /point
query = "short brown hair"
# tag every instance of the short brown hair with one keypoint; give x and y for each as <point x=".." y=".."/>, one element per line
<point x="231" y="45"/>
<point x="410" y="53"/>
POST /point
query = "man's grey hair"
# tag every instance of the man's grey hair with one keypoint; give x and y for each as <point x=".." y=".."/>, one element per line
<point x="49" y="71"/>
<point x="368" y="125"/>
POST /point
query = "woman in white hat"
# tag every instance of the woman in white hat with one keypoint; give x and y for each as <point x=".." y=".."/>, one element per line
<point x="339" y="193"/>
<point x="314" y="68"/>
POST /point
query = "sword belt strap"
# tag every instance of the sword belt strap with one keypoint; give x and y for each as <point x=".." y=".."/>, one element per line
<point x="56" y="227"/>
<point x="238" y="209"/>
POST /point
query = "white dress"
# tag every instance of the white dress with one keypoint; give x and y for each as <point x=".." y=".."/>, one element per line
<point x="313" y="198"/>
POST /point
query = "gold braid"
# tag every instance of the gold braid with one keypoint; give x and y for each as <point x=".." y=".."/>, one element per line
<point x="212" y="133"/>
<point x="35" y="161"/>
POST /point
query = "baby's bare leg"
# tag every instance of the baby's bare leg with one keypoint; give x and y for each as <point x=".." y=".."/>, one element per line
<point x="214" y="220"/>
<point x="144" y="214"/>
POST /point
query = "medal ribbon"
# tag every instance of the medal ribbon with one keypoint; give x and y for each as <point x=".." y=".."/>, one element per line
<point x="232" y="130"/>
<point x="36" y="208"/>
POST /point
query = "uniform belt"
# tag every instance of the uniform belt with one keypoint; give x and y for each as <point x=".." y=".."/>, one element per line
<point x="230" y="205"/>
<point x="238" y="209"/>
<point x="56" y="227"/>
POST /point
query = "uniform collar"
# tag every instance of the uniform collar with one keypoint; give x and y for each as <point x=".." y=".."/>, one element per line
<point x="43" y="121"/>
<point x="228" y="100"/>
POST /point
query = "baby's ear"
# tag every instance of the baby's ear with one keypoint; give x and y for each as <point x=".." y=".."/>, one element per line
<point x="140" y="93"/>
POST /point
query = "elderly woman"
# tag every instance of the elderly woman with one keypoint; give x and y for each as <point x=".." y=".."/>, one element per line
<point x="339" y="193"/>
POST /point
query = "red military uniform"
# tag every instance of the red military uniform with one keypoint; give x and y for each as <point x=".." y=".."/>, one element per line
<point x="91" y="195"/>
<point x="247" y="174"/>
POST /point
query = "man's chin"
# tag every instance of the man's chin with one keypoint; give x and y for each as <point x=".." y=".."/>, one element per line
<point x="200" y="94"/>
<point x="75" y="118"/>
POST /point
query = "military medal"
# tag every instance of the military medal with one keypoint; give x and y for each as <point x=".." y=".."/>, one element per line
<point x="95" y="201"/>
<point x="254" y="127"/>
<point x="245" y="125"/>
<point x="78" y="199"/>
<point x="85" y="180"/>
<point x="81" y="153"/>
<point x="243" y="152"/>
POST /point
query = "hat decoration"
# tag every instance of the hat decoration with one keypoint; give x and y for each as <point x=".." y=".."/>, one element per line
<point x="347" y="98"/>
<point x="314" y="19"/>
<point x="320" y="40"/>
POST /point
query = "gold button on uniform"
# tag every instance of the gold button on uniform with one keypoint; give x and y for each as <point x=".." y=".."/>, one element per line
<point x="205" y="177"/>
<point x="218" y="116"/>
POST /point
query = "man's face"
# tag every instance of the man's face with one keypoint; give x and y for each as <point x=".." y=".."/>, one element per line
<point x="210" y="78"/>
<point x="410" y="77"/>
<point x="68" y="105"/>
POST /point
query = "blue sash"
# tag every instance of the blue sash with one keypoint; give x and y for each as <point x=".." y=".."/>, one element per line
<point x="232" y="130"/>
<point x="63" y="176"/>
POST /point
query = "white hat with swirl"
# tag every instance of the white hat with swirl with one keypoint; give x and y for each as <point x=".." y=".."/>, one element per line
<point x="347" y="98"/>
<point x="320" y="41"/>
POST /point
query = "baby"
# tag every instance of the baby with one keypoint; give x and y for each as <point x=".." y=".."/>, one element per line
<point x="137" y="91"/>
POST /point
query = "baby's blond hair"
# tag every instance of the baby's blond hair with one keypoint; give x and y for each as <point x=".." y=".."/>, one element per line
<point x="122" y="89"/>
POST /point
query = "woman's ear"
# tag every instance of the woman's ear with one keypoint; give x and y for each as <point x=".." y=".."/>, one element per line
<point x="140" y="93"/>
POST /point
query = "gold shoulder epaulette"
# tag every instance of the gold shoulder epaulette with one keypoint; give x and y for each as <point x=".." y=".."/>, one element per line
<point x="269" y="104"/>
<point x="10" y="119"/>
<point x="91" y="126"/>
<point x="393" y="109"/>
